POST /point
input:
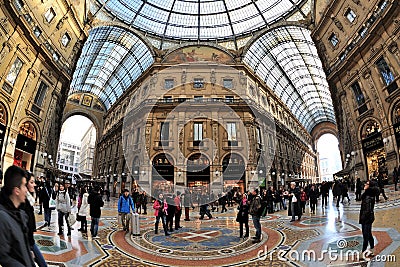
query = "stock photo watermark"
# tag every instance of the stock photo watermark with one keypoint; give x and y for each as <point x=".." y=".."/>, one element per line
<point x="340" y="254"/>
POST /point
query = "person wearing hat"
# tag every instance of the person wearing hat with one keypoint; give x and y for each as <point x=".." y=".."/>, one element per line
<point x="125" y="203"/>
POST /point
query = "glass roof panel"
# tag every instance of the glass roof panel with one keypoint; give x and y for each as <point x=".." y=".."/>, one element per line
<point x="285" y="58"/>
<point x="111" y="60"/>
<point x="181" y="18"/>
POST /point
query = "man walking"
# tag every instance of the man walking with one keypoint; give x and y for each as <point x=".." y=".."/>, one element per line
<point x="125" y="203"/>
<point x="15" y="250"/>
<point x="255" y="212"/>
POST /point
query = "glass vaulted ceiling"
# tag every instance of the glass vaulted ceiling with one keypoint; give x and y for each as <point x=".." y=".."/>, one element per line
<point x="198" y="19"/>
<point x="287" y="60"/>
<point x="111" y="60"/>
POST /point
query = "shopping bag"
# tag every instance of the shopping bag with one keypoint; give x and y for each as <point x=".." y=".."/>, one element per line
<point x="52" y="204"/>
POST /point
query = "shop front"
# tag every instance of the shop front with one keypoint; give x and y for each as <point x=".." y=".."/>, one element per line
<point x="162" y="175"/>
<point x="25" y="147"/>
<point x="234" y="173"/>
<point x="374" y="154"/>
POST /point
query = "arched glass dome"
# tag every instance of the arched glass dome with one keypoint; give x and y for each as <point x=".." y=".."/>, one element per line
<point x="198" y="19"/>
<point x="111" y="60"/>
<point x="286" y="59"/>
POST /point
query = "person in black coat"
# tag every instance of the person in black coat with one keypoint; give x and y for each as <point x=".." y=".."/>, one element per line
<point x="243" y="215"/>
<point x="15" y="249"/>
<point x="96" y="202"/>
<point x="367" y="216"/>
<point x="294" y="202"/>
<point x="170" y="212"/>
<point x="313" y="196"/>
<point x="46" y="193"/>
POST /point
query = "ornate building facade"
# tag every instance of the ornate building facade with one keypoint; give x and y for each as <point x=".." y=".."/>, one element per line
<point x="202" y="125"/>
<point x="358" y="43"/>
<point x="40" y="45"/>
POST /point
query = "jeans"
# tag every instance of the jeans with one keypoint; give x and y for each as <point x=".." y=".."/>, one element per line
<point x="367" y="236"/>
<point x="164" y="222"/>
<point x="39" y="259"/>
<point x="257" y="225"/>
<point x="61" y="216"/>
<point x="94" y="226"/>
<point x="47" y="216"/>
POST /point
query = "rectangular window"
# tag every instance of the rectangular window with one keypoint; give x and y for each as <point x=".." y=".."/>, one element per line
<point x="197" y="133"/>
<point x="41" y="93"/>
<point x="362" y="32"/>
<point x="385" y="72"/>
<point x="66" y="39"/>
<point x="333" y="39"/>
<point x="259" y="136"/>
<point x="229" y="99"/>
<point x="167" y="99"/>
<point x="198" y="83"/>
<point x="14" y="71"/>
<point x="37" y="31"/>
<point x="168" y="83"/>
<point x="228" y="83"/>
<point x="232" y="137"/>
<point x="350" y="15"/>
<point x="198" y="98"/>
<point x="50" y="14"/>
<point x="19" y="4"/>
<point x="358" y="94"/>
<point x="164" y="134"/>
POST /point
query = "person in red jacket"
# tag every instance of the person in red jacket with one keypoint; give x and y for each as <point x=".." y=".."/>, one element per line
<point x="178" y="210"/>
<point x="160" y="207"/>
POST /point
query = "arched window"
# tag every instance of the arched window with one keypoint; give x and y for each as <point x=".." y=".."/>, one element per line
<point x="28" y="129"/>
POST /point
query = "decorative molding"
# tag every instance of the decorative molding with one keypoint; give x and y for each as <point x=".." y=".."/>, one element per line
<point x="365" y="115"/>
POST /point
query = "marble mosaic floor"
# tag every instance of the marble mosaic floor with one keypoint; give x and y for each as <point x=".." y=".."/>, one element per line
<point x="332" y="237"/>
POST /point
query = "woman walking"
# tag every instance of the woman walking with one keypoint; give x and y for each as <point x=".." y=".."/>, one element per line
<point x="160" y="206"/>
<point x="367" y="216"/>
<point x="28" y="207"/>
<point x="243" y="215"/>
<point x="64" y="209"/>
<point x="83" y="209"/>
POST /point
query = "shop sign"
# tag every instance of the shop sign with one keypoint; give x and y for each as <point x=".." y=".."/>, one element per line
<point x="372" y="143"/>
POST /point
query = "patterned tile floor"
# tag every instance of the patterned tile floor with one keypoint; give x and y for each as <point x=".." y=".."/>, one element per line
<point x="332" y="237"/>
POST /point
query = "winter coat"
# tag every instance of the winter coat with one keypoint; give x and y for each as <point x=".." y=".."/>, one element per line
<point x="96" y="202"/>
<point x="313" y="195"/>
<point x="243" y="214"/>
<point x="160" y="208"/>
<point x="63" y="202"/>
<point x="297" y="208"/>
<point x="29" y="210"/>
<point x="255" y="206"/>
<point x="15" y="250"/>
<point x="125" y="204"/>
<point x="337" y="189"/>
<point x="367" y="215"/>
<point x="84" y="208"/>
<point x="46" y="194"/>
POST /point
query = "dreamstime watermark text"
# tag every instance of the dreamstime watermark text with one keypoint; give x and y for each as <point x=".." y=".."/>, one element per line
<point x="331" y="254"/>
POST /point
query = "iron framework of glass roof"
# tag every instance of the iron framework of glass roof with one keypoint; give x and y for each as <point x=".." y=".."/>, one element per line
<point x="286" y="59"/>
<point x="111" y="60"/>
<point x="198" y="20"/>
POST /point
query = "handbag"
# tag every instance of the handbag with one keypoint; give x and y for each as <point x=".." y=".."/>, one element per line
<point x="52" y="204"/>
<point x="71" y="219"/>
<point x="294" y="198"/>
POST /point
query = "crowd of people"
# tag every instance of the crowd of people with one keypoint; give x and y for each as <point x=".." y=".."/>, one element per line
<point x="21" y="191"/>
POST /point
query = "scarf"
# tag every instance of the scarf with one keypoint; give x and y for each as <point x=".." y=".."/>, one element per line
<point x="30" y="198"/>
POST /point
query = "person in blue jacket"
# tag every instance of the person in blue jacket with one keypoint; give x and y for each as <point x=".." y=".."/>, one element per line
<point x="125" y="203"/>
